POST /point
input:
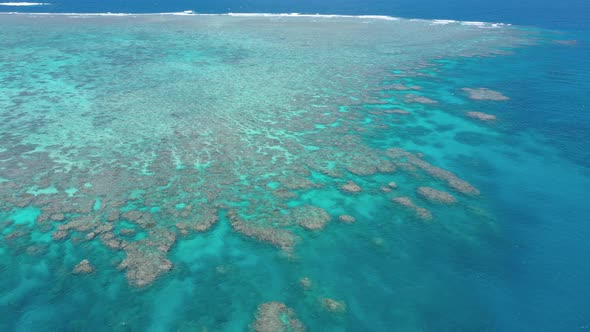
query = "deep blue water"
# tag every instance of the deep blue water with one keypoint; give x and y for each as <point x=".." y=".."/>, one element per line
<point x="546" y="232"/>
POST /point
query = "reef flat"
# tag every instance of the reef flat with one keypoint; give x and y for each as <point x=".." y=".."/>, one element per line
<point x="248" y="172"/>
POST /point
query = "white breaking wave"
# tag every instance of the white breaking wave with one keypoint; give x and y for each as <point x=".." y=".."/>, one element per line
<point x="375" y="17"/>
<point x="24" y="4"/>
<point x="193" y="13"/>
<point x="473" y="23"/>
<point x="443" y="22"/>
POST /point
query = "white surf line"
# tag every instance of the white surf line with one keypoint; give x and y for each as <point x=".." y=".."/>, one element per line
<point x="271" y="15"/>
<point x="24" y="4"/>
<point x="376" y="17"/>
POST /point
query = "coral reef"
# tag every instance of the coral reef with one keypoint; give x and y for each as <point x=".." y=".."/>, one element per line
<point x="199" y="220"/>
<point x="347" y="219"/>
<point x="420" y="212"/>
<point x="281" y="238"/>
<point x="305" y="283"/>
<point x="484" y="94"/>
<point x="276" y="317"/>
<point x="400" y="87"/>
<point x="436" y="196"/>
<point x="481" y="116"/>
<point x="161" y="159"/>
<point x="59" y="235"/>
<point x="311" y="217"/>
<point x="144" y="264"/>
<point x="351" y="187"/>
<point x="411" y="162"/>
<point x="451" y="179"/>
<point x="333" y="306"/>
<point x="397" y="111"/>
<point x="84" y="267"/>
<point x="412" y="98"/>
<point x="127" y="231"/>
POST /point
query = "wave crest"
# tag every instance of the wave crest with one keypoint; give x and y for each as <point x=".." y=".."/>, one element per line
<point x="24" y="4"/>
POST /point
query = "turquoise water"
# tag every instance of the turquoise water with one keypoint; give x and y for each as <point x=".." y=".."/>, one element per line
<point x="198" y="164"/>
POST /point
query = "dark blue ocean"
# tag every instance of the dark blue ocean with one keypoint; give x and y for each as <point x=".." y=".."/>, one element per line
<point x="530" y="273"/>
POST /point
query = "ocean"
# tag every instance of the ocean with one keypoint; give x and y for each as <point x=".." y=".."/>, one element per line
<point x="408" y="166"/>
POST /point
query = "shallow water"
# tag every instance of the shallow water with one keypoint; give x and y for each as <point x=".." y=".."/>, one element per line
<point x="195" y="162"/>
<point x="570" y="14"/>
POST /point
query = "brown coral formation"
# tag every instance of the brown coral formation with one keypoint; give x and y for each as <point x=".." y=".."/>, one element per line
<point x="436" y="196"/>
<point x="451" y="179"/>
<point x="481" y="116"/>
<point x="200" y="220"/>
<point x="333" y="306"/>
<point x="347" y="219"/>
<point x="305" y="283"/>
<point x="484" y="94"/>
<point x="297" y="182"/>
<point x="144" y="264"/>
<point x="351" y="187"/>
<point x="127" y="231"/>
<point x="59" y="235"/>
<point x="37" y="250"/>
<point x="386" y="166"/>
<point x="276" y="317"/>
<point x="400" y="87"/>
<point x="57" y="217"/>
<point x="141" y="218"/>
<point x="398" y="111"/>
<point x="110" y="240"/>
<point x="359" y="166"/>
<point x="397" y="153"/>
<point x="311" y="217"/>
<point x="82" y="224"/>
<point x="412" y="98"/>
<point x="84" y="267"/>
<point x="411" y="162"/>
<point x="420" y="212"/>
<point x="280" y="238"/>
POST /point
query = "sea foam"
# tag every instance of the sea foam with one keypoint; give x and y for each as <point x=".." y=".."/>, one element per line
<point x="24" y="4"/>
<point x="270" y="15"/>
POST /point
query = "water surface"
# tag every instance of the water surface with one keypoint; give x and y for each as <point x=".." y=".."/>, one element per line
<point x="205" y="165"/>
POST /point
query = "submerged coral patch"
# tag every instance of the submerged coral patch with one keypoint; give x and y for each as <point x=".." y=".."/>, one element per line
<point x="347" y="219"/>
<point x="84" y="267"/>
<point x="305" y="283"/>
<point x="311" y="217"/>
<point x="412" y="98"/>
<point x="407" y="202"/>
<point x="484" y="94"/>
<point x="351" y="187"/>
<point x="436" y="196"/>
<point x="282" y="238"/>
<point x="481" y="116"/>
<point x="332" y="305"/>
<point x="276" y="317"/>
<point x="144" y="264"/>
